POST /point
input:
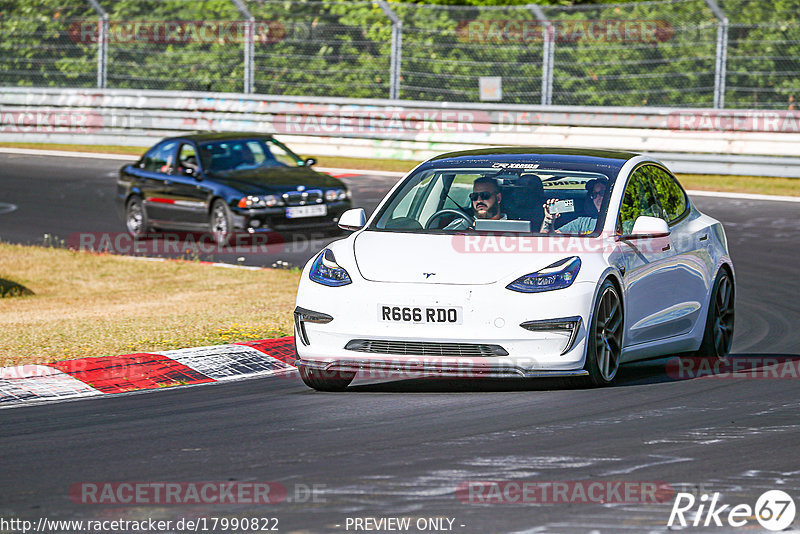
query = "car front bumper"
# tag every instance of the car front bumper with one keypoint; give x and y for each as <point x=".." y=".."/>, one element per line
<point x="489" y="341"/>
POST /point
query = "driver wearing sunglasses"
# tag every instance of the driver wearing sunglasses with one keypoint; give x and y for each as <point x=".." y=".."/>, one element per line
<point x="486" y="199"/>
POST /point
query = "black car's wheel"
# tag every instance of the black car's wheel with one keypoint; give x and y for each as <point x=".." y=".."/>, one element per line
<point x="136" y="217"/>
<point x="719" y="322"/>
<point x="220" y="222"/>
<point x="604" y="344"/>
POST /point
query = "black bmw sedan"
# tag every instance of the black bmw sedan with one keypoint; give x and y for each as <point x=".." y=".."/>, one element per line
<point x="226" y="183"/>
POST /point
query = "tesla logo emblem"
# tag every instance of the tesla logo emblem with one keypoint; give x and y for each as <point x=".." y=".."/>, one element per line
<point x="428" y="275"/>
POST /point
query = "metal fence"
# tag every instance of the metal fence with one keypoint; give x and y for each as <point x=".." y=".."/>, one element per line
<point x="674" y="53"/>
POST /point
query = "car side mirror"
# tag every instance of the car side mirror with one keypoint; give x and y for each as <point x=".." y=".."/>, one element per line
<point x="353" y="219"/>
<point x="309" y="162"/>
<point x="647" y="228"/>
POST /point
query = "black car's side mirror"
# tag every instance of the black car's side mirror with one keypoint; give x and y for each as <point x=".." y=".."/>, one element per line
<point x="309" y="162"/>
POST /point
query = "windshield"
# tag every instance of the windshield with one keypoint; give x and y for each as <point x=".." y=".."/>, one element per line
<point x="480" y="199"/>
<point x="246" y="154"/>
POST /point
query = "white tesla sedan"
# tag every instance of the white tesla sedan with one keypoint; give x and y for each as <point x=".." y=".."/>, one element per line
<point x="517" y="262"/>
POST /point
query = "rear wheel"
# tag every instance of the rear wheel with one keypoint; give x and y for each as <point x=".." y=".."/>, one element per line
<point x="718" y="334"/>
<point x="604" y="344"/>
<point x="136" y="217"/>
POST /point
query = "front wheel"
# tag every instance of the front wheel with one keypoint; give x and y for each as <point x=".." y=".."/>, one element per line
<point x="136" y="217"/>
<point x="221" y="222"/>
<point x="718" y="334"/>
<point x="325" y="380"/>
<point x="604" y="344"/>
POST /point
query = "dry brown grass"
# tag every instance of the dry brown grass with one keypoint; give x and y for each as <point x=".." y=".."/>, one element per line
<point x="94" y="305"/>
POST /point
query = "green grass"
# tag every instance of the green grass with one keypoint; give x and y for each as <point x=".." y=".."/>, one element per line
<point x="706" y="182"/>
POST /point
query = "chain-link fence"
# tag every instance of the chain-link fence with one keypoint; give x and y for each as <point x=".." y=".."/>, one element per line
<point x="678" y="53"/>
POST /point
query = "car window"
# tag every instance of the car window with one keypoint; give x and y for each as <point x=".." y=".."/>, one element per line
<point x="281" y="153"/>
<point x="637" y="200"/>
<point x="245" y="154"/>
<point x="187" y="159"/>
<point x="433" y="199"/>
<point x="160" y="158"/>
<point x="670" y="193"/>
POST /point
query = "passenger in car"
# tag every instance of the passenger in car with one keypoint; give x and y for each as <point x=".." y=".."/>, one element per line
<point x="595" y="192"/>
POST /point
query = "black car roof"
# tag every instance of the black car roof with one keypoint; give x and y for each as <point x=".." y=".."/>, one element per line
<point x="221" y="136"/>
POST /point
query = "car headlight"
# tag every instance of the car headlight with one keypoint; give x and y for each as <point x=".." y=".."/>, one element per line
<point x="327" y="272"/>
<point x="332" y="195"/>
<point x="260" y="201"/>
<point x="558" y="275"/>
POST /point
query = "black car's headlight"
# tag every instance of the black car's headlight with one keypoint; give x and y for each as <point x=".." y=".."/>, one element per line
<point x="260" y="201"/>
<point x="327" y="272"/>
<point x="558" y="275"/>
<point x="332" y="195"/>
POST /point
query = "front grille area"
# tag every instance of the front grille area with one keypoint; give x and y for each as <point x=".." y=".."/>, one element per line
<point x="418" y="348"/>
<point x="297" y="198"/>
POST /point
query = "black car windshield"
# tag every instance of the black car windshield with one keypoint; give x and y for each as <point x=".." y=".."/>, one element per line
<point x="445" y="200"/>
<point x="246" y="154"/>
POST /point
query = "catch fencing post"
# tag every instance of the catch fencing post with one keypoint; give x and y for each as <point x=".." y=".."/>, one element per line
<point x="397" y="50"/>
<point x="721" y="64"/>
<point x="548" y="53"/>
<point x="102" y="44"/>
<point x="249" y="45"/>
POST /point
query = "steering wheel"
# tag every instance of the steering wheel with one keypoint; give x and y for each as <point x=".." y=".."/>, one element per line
<point x="439" y="213"/>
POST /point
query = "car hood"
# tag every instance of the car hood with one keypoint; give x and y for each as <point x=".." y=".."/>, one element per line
<point x="407" y="257"/>
<point x="276" y="179"/>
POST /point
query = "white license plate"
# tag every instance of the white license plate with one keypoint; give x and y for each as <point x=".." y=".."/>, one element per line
<point x="306" y="211"/>
<point x="420" y="314"/>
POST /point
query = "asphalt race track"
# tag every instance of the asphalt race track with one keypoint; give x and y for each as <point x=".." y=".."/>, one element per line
<point x="70" y="197"/>
<point x="402" y="448"/>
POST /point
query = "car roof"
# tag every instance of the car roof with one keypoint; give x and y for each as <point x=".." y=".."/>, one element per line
<point x="608" y="162"/>
<point x="535" y="153"/>
<point x="221" y="136"/>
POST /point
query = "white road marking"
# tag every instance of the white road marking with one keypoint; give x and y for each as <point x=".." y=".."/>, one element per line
<point x="64" y="153"/>
<point x="5" y="207"/>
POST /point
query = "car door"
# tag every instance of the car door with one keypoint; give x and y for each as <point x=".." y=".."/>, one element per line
<point x="649" y="276"/>
<point x="185" y="195"/>
<point x="691" y="271"/>
<point x="152" y="177"/>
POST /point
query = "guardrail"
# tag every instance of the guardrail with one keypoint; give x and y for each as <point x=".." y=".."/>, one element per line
<point x="754" y="142"/>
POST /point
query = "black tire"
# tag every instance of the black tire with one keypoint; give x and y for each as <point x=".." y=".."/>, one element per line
<point x="136" y="217"/>
<point x="605" y="336"/>
<point x="718" y="334"/>
<point x="322" y="380"/>
<point x="325" y="380"/>
<point x="220" y="222"/>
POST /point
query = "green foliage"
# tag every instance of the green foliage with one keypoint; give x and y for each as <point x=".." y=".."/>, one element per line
<point x="342" y="48"/>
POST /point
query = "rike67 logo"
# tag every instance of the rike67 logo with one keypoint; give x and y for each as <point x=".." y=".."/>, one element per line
<point x="774" y="510"/>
